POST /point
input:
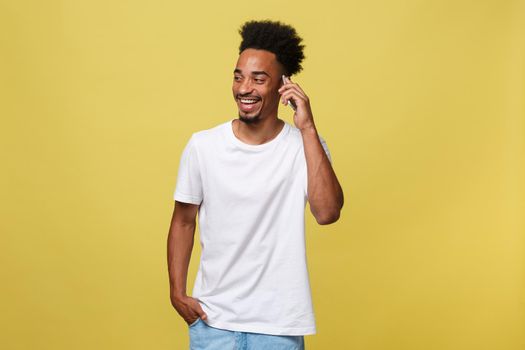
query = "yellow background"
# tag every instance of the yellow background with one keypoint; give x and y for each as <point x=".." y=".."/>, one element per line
<point x="422" y="106"/>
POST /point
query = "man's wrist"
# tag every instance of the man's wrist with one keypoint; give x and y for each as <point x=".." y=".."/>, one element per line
<point x="178" y="295"/>
<point x="309" y="129"/>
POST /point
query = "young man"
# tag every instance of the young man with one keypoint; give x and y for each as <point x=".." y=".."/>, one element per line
<point x="249" y="180"/>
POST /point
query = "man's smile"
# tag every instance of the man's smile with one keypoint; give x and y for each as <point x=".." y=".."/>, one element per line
<point x="248" y="104"/>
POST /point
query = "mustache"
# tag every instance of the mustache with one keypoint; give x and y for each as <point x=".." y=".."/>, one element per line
<point x="247" y="96"/>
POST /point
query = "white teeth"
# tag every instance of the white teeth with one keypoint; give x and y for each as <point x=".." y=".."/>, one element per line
<point x="248" y="101"/>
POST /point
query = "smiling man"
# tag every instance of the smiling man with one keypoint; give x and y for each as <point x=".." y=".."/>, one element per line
<point x="249" y="179"/>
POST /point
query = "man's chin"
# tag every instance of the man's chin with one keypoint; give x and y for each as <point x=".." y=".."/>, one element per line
<point x="250" y="120"/>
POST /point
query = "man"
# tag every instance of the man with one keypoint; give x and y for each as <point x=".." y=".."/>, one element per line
<point x="249" y="180"/>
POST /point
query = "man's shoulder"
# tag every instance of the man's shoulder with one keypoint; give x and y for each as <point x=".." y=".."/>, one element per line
<point x="295" y="133"/>
<point x="210" y="134"/>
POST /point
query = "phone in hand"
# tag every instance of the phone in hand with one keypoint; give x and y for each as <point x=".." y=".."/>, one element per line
<point x="290" y="102"/>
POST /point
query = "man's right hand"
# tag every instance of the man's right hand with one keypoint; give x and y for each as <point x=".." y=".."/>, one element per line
<point x="188" y="308"/>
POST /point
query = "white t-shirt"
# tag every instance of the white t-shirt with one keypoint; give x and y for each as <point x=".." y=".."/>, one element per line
<point x="252" y="275"/>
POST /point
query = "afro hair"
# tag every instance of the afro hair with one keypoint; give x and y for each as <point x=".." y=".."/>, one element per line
<point x="276" y="37"/>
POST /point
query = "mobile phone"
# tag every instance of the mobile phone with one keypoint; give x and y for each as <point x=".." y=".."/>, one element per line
<point x="290" y="102"/>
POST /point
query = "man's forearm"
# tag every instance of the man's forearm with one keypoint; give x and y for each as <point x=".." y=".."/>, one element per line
<point x="180" y="245"/>
<point x="325" y="194"/>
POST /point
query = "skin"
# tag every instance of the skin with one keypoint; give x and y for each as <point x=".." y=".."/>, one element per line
<point x="180" y="244"/>
<point x="257" y="75"/>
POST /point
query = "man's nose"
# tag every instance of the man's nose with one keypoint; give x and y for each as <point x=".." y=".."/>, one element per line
<point x="245" y="87"/>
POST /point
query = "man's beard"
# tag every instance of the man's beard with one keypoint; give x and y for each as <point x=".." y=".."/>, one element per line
<point x="250" y="120"/>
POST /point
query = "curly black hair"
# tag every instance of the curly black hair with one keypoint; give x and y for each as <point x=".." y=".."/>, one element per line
<point x="276" y="37"/>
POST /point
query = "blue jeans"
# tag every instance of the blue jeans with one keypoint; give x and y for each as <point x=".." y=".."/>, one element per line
<point x="204" y="337"/>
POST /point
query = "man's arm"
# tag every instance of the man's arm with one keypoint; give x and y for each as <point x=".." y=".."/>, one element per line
<point x="180" y="245"/>
<point x="325" y="194"/>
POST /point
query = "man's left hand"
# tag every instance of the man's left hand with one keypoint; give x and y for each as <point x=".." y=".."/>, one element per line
<point x="303" y="117"/>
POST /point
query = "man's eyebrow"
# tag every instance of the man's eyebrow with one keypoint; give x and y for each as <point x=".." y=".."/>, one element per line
<point x="257" y="72"/>
<point x="260" y="72"/>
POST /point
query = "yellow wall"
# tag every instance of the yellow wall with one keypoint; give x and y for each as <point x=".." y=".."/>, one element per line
<point x="422" y="106"/>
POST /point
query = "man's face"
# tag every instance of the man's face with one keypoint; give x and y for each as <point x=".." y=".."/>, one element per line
<point x="256" y="80"/>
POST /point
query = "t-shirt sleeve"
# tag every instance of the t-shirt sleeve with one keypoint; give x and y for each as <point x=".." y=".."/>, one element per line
<point x="189" y="183"/>
<point x="325" y="147"/>
<point x="327" y="151"/>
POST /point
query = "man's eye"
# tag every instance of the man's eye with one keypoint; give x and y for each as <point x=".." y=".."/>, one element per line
<point x="259" y="81"/>
<point x="236" y="78"/>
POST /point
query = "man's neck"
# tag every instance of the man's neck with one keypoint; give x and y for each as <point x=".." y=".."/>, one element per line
<point x="258" y="133"/>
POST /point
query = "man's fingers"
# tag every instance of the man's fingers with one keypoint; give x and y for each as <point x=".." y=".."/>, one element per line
<point x="292" y="95"/>
<point x="296" y="85"/>
<point x="296" y="89"/>
<point x="190" y="310"/>
<point x="197" y="308"/>
<point x="202" y="314"/>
